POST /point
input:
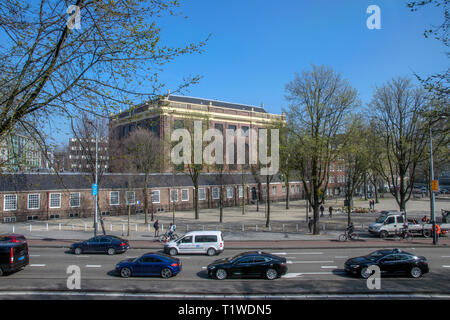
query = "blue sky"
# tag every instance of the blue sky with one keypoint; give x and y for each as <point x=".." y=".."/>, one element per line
<point x="257" y="46"/>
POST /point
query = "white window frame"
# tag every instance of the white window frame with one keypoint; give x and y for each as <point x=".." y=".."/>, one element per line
<point x="38" y="201"/>
<point x="118" y="198"/>
<point x="134" y="198"/>
<point x="230" y="194"/>
<point x="199" y="194"/>
<point x="184" y="192"/>
<point x="15" y="202"/>
<point x="216" y="189"/>
<point x="50" y="201"/>
<point x="241" y="191"/>
<point x="79" y="199"/>
<point x="283" y="190"/>
<point x="172" y="200"/>
<point x="159" y="196"/>
<point x="274" y="190"/>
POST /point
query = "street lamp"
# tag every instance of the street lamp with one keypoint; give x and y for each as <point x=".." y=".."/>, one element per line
<point x="433" y="219"/>
<point x="96" y="175"/>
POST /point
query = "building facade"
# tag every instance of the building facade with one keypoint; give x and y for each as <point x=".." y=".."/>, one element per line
<point x="48" y="196"/>
<point x="82" y="154"/>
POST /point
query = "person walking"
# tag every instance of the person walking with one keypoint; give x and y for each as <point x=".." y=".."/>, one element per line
<point x="330" y="209"/>
<point x="156" y="226"/>
<point x="322" y="209"/>
<point x="310" y="224"/>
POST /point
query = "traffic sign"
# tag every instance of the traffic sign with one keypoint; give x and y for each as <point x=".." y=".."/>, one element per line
<point x="434" y="185"/>
<point x="94" y="189"/>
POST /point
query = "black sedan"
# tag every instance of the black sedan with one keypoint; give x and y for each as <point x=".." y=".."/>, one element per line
<point x="248" y="264"/>
<point x="391" y="261"/>
<point x="101" y="244"/>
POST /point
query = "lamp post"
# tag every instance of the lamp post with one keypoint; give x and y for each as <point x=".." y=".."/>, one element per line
<point x="433" y="220"/>
<point x="96" y="176"/>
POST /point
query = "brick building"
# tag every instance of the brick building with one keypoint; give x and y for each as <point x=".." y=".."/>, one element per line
<point x="28" y="197"/>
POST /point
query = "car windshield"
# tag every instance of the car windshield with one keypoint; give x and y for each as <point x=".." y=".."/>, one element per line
<point x="375" y="255"/>
<point x="381" y="219"/>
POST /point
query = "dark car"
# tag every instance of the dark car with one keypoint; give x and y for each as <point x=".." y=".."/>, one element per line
<point x="149" y="264"/>
<point x="248" y="264"/>
<point x="12" y="237"/>
<point x="389" y="261"/>
<point x="13" y="256"/>
<point x="101" y="244"/>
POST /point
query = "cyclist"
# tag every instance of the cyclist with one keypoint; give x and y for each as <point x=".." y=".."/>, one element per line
<point x="350" y="229"/>
<point x="172" y="228"/>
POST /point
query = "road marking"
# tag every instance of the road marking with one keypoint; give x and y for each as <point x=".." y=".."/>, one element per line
<point x="294" y="275"/>
<point x="37" y="265"/>
<point x="35" y="255"/>
<point x="284" y="253"/>
<point x="445" y="266"/>
<point x="445" y="256"/>
<point x="291" y="262"/>
<point x="329" y="267"/>
<point x="341" y="257"/>
<point x="93" y="266"/>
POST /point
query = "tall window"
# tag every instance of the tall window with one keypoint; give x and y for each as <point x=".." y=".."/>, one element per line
<point x="241" y="192"/>
<point x="174" y="195"/>
<point x="201" y="194"/>
<point x="75" y="200"/>
<point x="155" y="196"/>
<point x="283" y="189"/>
<point x="215" y="193"/>
<point x="55" y="200"/>
<point x="131" y="197"/>
<point x="34" y="201"/>
<point x="114" y="198"/>
<point x="10" y="202"/>
<point x="184" y="195"/>
<point x="274" y="190"/>
<point x="229" y="192"/>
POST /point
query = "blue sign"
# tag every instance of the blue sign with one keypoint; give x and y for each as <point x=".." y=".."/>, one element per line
<point x="94" y="189"/>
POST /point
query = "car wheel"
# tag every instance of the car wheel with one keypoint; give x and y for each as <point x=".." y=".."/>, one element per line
<point x="173" y="252"/>
<point x="221" y="274"/>
<point x="271" y="274"/>
<point x="383" y="234"/>
<point x="78" y="251"/>
<point x="416" y="272"/>
<point x="111" y="251"/>
<point x="166" y="273"/>
<point x="365" y="273"/>
<point x="211" y="252"/>
<point x="427" y="233"/>
<point x="125" y="272"/>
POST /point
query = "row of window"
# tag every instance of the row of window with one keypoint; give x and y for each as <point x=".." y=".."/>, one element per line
<point x="34" y="200"/>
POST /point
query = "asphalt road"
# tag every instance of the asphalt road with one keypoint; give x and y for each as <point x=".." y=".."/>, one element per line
<point x="310" y="271"/>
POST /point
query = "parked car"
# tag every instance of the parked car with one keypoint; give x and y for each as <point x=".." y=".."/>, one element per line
<point x="101" y="244"/>
<point x="209" y="242"/>
<point x="248" y="264"/>
<point x="13" y="256"/>
<point x="12" y="237"/>
<point x="389" y="261"/>
<point x="148" y="265"/>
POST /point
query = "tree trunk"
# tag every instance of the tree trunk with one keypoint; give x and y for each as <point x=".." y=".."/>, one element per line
<point x="287" y="195"/>
<point x="145" y="200"/>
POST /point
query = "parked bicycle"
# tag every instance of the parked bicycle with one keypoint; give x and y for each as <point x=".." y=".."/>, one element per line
<point x="349" y="236"/>
<point x="165" y="237"/>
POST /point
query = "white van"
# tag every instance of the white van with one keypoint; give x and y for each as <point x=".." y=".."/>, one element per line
<point x="209" y="242"/>
<point x="388" y="223"/>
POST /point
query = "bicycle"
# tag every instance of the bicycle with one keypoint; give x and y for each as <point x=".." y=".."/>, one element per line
<point x="405" y="234"/>
<point x="165" y="237"/>
<point x="346" y="236"/>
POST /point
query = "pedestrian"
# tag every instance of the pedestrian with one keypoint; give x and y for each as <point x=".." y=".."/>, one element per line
<point x="156" y="226"/>
<point x="310" y="224"/>
<point x="322" y="209"/>
<point x="330" y="209"/>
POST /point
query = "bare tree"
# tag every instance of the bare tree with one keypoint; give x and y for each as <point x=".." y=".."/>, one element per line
<point x="143" y="150"/>
<point x="319" y="100"/>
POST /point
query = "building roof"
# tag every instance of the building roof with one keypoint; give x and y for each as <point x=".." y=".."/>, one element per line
<point x="23" y="182"/>
<point x="222" y="104"/>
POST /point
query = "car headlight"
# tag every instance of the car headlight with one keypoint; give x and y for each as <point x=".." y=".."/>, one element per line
<point x="211" y="267"/>
<point x="355" y="266"/>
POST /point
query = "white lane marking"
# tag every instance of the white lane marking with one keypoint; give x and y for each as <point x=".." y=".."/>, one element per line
<point x="445" y="256"/>
<point x="82" y="256"/>
<point x="294" y="275"/>
<point x="37" y="265"/>
<point x="35" y="255"/>
<point x="203" y="267"/>
<point x="93" y="266"/>
<point x="291" y="262"/>
<point x="445" y="266"/>
<point x="329" y="267"/>
<point x="341" y="257"/>
<point x="284" y="253"/>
